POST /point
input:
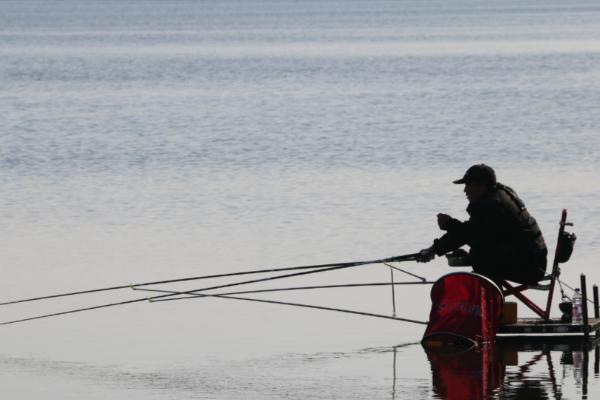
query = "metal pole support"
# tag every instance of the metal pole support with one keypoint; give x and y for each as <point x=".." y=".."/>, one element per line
<point x="596" y="302"/>
<point x="584" y="299"/>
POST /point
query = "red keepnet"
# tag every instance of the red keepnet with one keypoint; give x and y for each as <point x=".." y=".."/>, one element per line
<point x="465" y="307"/>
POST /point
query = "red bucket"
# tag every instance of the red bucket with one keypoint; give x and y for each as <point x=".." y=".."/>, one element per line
<point x="465" y="310"/>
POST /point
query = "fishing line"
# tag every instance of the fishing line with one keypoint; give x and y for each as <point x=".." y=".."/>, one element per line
<point x="573" y="290"/>
<point x="394" y="376"/>
<point x="404" y="271"/>
<point x="393" y="293"/>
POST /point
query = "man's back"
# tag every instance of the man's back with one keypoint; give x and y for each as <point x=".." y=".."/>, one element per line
<point x="503" y="228"/>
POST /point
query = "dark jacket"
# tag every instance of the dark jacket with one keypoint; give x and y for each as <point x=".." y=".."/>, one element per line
<point x="505" y="240"/>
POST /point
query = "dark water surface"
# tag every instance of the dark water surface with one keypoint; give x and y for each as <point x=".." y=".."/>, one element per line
<point x="146" y="140"/>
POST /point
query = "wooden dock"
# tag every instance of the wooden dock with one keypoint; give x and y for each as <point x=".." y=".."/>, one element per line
<point x="535" y="327"/>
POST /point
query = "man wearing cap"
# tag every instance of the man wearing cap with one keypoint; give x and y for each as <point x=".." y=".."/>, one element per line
<point x="504" y="239"/>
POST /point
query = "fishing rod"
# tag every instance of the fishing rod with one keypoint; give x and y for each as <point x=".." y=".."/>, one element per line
<point x="407" y="257"/>
<point x="286" y="303"/>
<point x="110" y="288"/>
<point x="321" y="268"/>
<point x="346" y="285"/>
<point x="343" y="310"/>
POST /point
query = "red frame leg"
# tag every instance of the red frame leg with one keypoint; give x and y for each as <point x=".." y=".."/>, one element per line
<point x="517" y="292"/>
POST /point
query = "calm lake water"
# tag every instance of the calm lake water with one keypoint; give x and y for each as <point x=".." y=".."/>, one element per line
<point x="148" y="140"/>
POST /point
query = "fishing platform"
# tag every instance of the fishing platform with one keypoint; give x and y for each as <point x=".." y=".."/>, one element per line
<point x="553" y="329"/>
<point x="544" y="327"/>
<point x="528" y="327"/>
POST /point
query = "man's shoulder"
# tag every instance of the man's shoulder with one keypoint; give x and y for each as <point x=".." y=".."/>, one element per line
<point x="495" y="197"/>
<point x="499" y="196"/>
<point x="507" y="200"/>
<point x="495" y="201"/>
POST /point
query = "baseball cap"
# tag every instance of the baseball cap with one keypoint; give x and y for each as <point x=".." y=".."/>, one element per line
<point x="479" y="173"/>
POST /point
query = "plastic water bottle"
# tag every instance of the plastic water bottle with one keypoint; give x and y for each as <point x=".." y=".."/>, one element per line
<point x="577" y="313"/>
<point x="578" y="367"/>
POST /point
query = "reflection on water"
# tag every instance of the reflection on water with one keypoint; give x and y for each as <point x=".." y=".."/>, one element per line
<point x="512" y="371"/>
<point x="501" y="371"/>
<point x="465" y="373"/>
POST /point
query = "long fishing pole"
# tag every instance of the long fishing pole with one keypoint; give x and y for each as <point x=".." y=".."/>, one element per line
<point x="162" y="282"/>
<point x="406" y="257"/>
<point x="343" y="310"/>
<point x="271" y="278"/>
<point x="285" y="303"/>
<point x="346" y="285"/>
<point x="195" y="291"/>
<point x="293" y="288"/>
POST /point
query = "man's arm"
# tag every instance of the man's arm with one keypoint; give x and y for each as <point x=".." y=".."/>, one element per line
<point x="452" y="240"/>
<point x="455" y="237"/>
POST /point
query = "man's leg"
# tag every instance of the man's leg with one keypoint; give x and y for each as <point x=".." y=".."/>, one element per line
<point x="529" y="271"/>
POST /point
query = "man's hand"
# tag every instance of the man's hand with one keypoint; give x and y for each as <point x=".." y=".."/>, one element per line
<point x="443" y="221"/>
<point x="425" y="255"/>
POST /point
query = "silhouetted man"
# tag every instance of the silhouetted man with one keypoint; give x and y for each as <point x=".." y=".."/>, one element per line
<point x="504" y="239"/>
